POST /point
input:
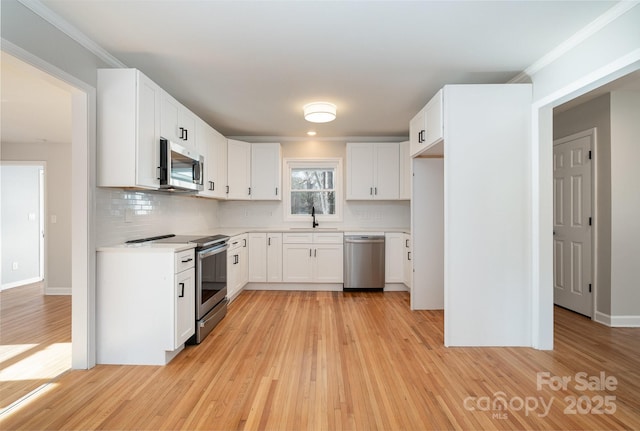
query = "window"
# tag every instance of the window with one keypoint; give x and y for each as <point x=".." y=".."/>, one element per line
<point x="313" y="184"/>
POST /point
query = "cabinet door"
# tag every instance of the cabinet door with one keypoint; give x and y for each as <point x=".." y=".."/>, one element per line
<point x="169" y="114"/>
<point x="328" y="263"/>
<point x="406" y="257"/>
<point x="274" y="257"/>
<point x="405" y="171"/>
<point x="239" y="169"/>
<point x="433" y="120"/>
<point x="297" y="263"/>
<point x="233" y="273"/>
<point x="218" y="162"/>
<point x="148" y="134"/>
<point x="417" y="133"/>
<point x="394" y="258"/>
<point x="360" y="171"/>
<point x="205" y="148"/>
<point x="187" y="121"/>
<point x="258" y="257"/>
<point x="387" y="171"/>
<point x="265" y="172"/>
<point x="243" y="258"/>
<point x="185" y="307"/>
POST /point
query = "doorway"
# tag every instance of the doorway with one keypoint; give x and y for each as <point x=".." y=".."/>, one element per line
<point x="572" y="222"/>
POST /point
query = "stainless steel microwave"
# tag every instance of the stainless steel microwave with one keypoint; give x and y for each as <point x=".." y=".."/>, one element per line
<point x="181" y="169"/>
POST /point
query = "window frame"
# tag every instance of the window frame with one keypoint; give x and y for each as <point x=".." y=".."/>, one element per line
<point x="334" y="163"/>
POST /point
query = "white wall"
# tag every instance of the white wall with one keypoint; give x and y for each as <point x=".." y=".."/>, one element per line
<point x="58" y="202"/>
<point x="356" y="214"/>
<point x="625" y="208"/>
<point x="608" y="53"/>
<point x="20" y="228"/>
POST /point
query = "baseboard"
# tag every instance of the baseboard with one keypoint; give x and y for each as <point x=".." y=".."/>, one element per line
<point x="309" y="287"/>
<point x="395" y="287"/>
<point x="20" y="283"/>
<point x="57" y="291"/>
<point x="617" y="321"/>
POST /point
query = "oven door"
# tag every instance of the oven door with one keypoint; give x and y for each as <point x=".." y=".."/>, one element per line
<point x="211" y="278"/>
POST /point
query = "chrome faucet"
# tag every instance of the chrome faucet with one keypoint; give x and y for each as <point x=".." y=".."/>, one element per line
<point x="313" y="214"/>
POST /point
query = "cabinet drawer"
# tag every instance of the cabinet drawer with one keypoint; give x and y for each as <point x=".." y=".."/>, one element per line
<point x="237" y="241"/>
<point x="185" y="260"/>
<point x="297" y="238"/>
<point x="328" y="238"/>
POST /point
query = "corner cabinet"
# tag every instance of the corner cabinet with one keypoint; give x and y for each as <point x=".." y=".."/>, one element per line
<point x="128" y="129"/>
<point x="373" y="171"/>
<point x="145" y="304"/>
<point x="238" y="170"/>
<point x="426" y="129"/>
<point x="266" y="172"/>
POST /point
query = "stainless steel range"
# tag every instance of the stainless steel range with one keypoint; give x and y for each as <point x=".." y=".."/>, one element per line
<point x="211" y="279"/>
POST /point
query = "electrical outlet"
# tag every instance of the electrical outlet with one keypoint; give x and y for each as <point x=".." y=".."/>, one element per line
<point x="54" y="218"/>
<point x="14" y="266"/>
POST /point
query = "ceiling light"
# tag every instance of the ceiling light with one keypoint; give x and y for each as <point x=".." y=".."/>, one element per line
<point x="311" y="133"/>
<point x="319" y="112"/>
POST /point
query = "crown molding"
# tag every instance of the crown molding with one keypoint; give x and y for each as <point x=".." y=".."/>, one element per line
<point x="64" y="26"/>
<point x="580" y="36"/>
<point x="265" y="139"/>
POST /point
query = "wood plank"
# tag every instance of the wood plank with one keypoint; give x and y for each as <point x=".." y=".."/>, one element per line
<point x="343" y="361"/>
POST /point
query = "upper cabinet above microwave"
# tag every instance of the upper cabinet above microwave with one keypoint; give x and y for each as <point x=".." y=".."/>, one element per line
<point x="128" y="126"/>
<point x="178" y="124"/>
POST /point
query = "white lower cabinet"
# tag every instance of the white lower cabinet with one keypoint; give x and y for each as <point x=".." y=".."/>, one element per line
<point x="265" y="257"/>
<point x="394" y="257"/>
<point x="237" y="265"/>
<point x="406" y="260"/>
<point x="312" y="258"/>
<point x="145" y="304"/>
<point x="274" y="257"/>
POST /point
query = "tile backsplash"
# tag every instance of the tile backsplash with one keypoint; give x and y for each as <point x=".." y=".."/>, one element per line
<point x="122" y="215"/>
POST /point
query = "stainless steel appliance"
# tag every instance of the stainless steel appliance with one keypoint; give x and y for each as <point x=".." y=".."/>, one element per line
<point x="211" y="278"/>
<point x="364" y="262"/>
<point x="181" y="169"/>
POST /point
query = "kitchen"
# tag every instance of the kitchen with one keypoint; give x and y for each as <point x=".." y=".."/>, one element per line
<point x="222" y="214"/>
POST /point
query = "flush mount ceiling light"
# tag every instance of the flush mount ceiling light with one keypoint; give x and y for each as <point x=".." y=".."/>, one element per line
<point x="319" y="112"/>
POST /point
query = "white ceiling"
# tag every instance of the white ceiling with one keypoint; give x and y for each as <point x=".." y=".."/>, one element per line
<point x="248" y="67"/>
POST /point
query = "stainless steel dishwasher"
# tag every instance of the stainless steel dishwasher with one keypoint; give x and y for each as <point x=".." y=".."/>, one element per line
<point x="364" y="262"/>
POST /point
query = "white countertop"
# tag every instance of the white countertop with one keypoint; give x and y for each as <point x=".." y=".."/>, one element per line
<point x="145" y="247"/>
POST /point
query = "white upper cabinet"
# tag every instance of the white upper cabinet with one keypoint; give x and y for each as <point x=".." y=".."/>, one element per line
<point x="405" y="171"/>
<point x="238" y="170"/>
<point x="178" y="124"/>
<point x="426" y="129"/>
<point x="128" y="129"/>
<point x="373" y="171"/>
<point x="213" y="147"/>
<point x="266" y="172"/>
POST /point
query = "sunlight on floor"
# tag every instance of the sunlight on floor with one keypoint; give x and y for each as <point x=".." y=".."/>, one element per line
<point x="8" y="351"/>
<point x="46" y="363"/>
<point x="24" y="401"/>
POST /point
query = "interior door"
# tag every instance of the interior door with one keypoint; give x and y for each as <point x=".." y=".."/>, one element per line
<point x="572" y="221"/>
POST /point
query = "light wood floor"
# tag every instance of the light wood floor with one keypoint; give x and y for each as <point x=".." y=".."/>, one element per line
<point x="35" y="340"/>
<point x="333" y="361"/>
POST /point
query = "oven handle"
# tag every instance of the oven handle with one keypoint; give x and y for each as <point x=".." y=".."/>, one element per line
<point x="211" y="251"/>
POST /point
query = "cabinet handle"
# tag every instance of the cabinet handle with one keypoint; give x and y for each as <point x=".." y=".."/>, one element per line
<point x="227" y="189"/>
<point x="268" y="241"/>
<point x="406" y="243"/>
<point x="249" y="191"/>
<point x="186" y="134"/>
<point x="309" y="252"/>
<point x="235" y="259"/>
<point x="181" y="290"/>
<point x="245" y="242"/>
<point x="181" y="132"/>
<point x="371" y="190"/>
<point x="158" y="172"/>
<point x="213" y="185"/>
<point x="408" y="255"/>
<point x="188" y="260"/>
<point x="315" y="252"/>
<point x="375" y="190"/>
<point x="276" y="191"/>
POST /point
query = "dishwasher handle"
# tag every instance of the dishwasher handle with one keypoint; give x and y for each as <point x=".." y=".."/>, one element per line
<point x="361" y="240"/>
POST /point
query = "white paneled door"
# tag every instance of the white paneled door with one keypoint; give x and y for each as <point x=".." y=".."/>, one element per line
<point x="572" y="223"/>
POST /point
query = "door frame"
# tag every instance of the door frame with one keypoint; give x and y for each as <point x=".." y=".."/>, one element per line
<point x="83" y="162"/>
<point x="593" y="134"/>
